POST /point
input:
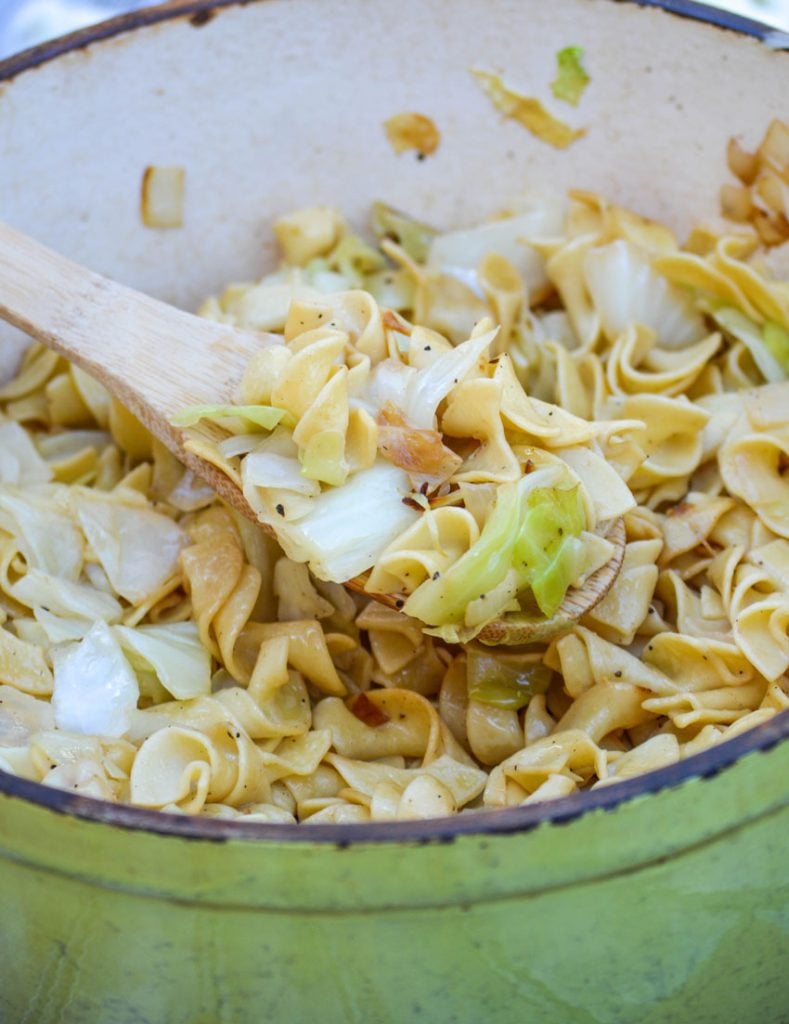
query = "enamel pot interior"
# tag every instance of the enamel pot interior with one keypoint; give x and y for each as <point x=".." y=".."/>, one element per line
<point x="277" y="104"/>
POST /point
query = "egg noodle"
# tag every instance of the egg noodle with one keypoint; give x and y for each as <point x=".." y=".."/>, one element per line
<point x="460" y="417"/>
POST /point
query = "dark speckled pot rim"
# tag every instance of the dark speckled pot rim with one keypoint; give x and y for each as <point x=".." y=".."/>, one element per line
<point x="201" y="12"/>
<point x="706" y="764"/>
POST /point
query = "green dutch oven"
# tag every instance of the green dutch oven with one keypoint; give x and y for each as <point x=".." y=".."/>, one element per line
<point x="661" y="899"/>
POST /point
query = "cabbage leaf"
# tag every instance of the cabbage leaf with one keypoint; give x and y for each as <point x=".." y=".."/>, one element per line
<point x="64" y="598"/>
<point x="348" y="527"/>
<point x="264" y="416"/>
<point x="95" y="690"/>
<point x="173" y="652"/>
<point x="411" y="235"/>
<point x="626" y="289"/>
<point x="20" y="462"/>
<point x="49" y="539"/>
<point x="571" y="77"/>
<point x="503" y="679"/>
<point x="137" y="547"/>
<point x="768" y="346"/>
<point x="532" y="531"/>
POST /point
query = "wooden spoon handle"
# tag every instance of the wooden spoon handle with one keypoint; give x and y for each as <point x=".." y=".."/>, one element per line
<point x="154" y="358"/>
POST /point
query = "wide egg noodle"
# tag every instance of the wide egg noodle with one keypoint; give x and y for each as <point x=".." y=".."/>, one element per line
<point x="576" y="338"/>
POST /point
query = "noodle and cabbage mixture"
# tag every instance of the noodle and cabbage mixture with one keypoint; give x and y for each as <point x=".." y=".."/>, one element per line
<point x="455" y="419"/>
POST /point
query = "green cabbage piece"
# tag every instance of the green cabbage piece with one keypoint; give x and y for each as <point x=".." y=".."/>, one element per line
<point x="324" y="458"/>
<point x="548" y="555"/>
<point x="265" y="416"/>
<point x="532" y="530"/>
<point x="571" y="77"/>
<point x="768" y="345"/>
<point x="504" y="680"/>
<point x="352" y="259"/>
<point x="411" y="235"/>
<point x="776" y="339"/>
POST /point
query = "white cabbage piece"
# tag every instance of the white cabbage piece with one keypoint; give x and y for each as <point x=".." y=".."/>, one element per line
<point x="59" y="447"/>
<point x="460" y="252"/>
<point x="137" y="547"/>
<point x="174" y="653"/>
<point x="96" y="690"/>
<point x="49" y="539"/>
<point x="266" y="469"/>
<point x="626" y="289"/>
<point x="37" y="589"/>
<point x="20" y="462"/>
<point x="388" y="382"/>
<point x="348" y="527"/>
<point x="426" y="390"/>
<point x="57" y="629"/>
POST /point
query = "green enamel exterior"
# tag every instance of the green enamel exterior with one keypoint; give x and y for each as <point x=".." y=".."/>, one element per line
<point x="670" y="907"/>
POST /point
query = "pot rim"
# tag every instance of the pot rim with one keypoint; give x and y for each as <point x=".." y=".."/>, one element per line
<point x="201" y="12"/>
<point x="705" y="764"/>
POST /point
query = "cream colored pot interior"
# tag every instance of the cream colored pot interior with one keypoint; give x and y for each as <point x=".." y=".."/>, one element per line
<point x="280" y="103"/>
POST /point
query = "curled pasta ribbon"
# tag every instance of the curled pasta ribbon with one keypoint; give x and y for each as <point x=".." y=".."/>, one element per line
<point x="565" y="268"/>
<point x="37" y="367"/>
<point x="411" y="728"/>
<point x="740" y="527"/>
<point x="755" y="594"/>
<point x="474" y="410"/>
<point x="402" y="656"/>
<point x="262" y="812"/>
<point x="586" y="660"/>
<point x="623" y="609"/>
<point x="697" y="664"/>
<point x="493" y="734"/>
<point x="656" y="752"/>
<point x="207" y="759"/>
<point x="433" y="790"/>
<point x="605" y="708"/>
<point x="636" y="365"/>
<point x="578" y="386"/>
<point x="570" y="754"/>
<point x="506" y="294"/>
<point x="24" y="666"/>
<point x="88" y="765"/>
<point x="723" y="705"/>
<point x="549" y="425"/>
<point x="690" y="523"/>
<point x="307" y="651"/>
<point x="285" y="712"/>
<point x="752" y="463"/>
<point x="670" y="438"/>
<point x="296" y="593"/>
<point x="688" y="609"/>
<point x="590" y="211"/>
<point x="224" y="589"/>
<point x="200" y="753"/>
<point x="357" y="313"/>
<point x="435" y="541"/>
<point x="304" y="374"/>
<point x="724" y="273"/>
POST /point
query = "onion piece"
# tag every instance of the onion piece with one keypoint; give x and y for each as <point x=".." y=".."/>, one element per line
<point x="162" y="197"/>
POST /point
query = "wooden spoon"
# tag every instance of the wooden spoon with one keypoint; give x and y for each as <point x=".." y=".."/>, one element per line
<point x="157" y="360"/>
